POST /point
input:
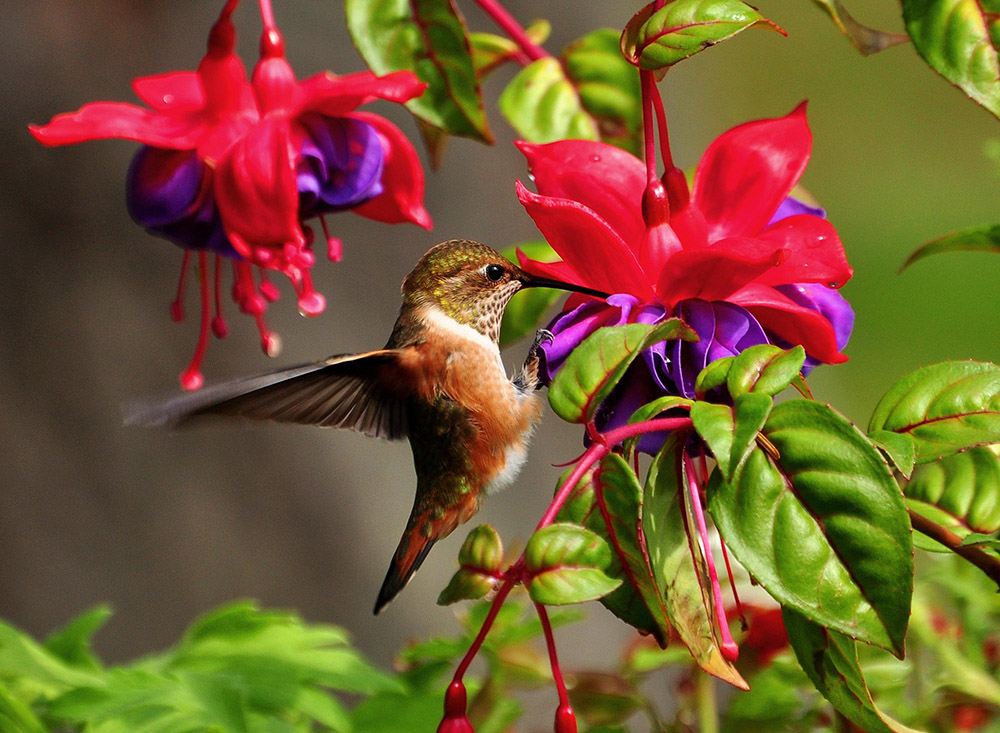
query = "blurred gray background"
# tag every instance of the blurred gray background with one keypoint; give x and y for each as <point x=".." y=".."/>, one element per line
<point x="165" y="526"/>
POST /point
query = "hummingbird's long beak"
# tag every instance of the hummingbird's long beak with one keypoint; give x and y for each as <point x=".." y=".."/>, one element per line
<point x="530" y="281"/>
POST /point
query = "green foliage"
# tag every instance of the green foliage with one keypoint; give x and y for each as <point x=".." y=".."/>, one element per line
<point x="866" y="40"/>
<point x="978" y="239"/>
<point x="542" y="104"/>
<point x="657" y="39"/>
<point x="566" y="563"/>
<point x="479" y="564"/>
<point x="960" y="492"/>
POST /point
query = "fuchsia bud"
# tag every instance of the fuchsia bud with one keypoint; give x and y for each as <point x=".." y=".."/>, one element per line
<point x="565" y="719"/>
<point x="455" y="719"/>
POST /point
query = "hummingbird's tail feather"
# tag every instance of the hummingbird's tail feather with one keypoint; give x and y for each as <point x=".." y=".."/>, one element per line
<point x="342" y="391"/>
<point x="410" y="554"/>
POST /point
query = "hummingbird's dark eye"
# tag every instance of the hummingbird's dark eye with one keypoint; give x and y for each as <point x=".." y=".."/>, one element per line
<point x="494" y="273"/>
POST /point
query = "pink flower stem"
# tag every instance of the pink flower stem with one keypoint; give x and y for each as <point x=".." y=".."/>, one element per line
<point x="505" y="588"/>
<point x="219" y="327"/>
<point x="565" y="719"/>
<point x="649" y="139"/>
<point x="267" y="16"/>
<point x="177" y="306"/>
<point x="498" y="13"/>
<point x="661" y="127"/>
<point x="229" y="8"/>
<point x="191" y="377"/>
<point x="729" y="648"/>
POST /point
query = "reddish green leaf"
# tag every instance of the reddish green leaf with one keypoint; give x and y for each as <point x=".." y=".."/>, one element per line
<point x="542" y="104"/>
<point x="898" y="447"/>
<point x="490" y="51"/>
<point x="678" y="563"/>
<point x="831" y="661"/>
<point x="714" y="375"/>
<point x="980" y="239"/>
<point x="765" y="369"/>
<point x="607" y="500"/>
<point x="657" y="39"/>
<point x="479" y="560"/>
<point x="866" y="40"/>
<point x="823" y="527"/>
<point x="595" y="366"/>
<point x="429" y="38"/>
<point x="960" y="492"/>
<point x="566" y="563"/>
<point x="945" y="408"/>
<point x="958" y="39"/>
<point x="608" y="87"/>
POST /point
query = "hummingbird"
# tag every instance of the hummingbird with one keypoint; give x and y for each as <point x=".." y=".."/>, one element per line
<point x="439" y="381"/>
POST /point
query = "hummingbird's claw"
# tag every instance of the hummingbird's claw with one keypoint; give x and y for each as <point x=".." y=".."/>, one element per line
<point x="527" y="380"/>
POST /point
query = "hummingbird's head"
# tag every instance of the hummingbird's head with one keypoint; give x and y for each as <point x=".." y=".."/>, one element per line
<point x="472" y="283"/>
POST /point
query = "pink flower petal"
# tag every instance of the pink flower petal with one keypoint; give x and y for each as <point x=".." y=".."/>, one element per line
<point x="791" y="322"/>
<point x="816" y="254"/>
<point x="586" y="243"/>
<point x="711" y="275"/>
<point x="552" y="270"/>
<point x="256" y="192"/>
<point x="748" y="171"/>
<point x="120" y="120"/>
<point x="337" y="95"/>
<point x="605" y="179"/>
<point x="171" y="92"/>
<point x="402" y="198"/>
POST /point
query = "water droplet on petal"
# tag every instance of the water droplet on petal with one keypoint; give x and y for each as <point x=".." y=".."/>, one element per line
<point x="595" y="158"/>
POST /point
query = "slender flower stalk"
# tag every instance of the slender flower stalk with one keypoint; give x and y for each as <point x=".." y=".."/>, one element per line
<point x="565" y="718"/>
<point x="499" y="14"/>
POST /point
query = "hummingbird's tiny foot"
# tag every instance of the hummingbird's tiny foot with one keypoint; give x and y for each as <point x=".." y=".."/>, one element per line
<point x="527" y="380"/>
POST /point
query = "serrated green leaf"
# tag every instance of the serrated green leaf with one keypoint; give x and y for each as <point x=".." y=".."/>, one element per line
<point x="608" y="87"/>
<point x="978" y="239"/>
<point x="595" y="366"/>
<point x="657" y="39"/>
<point x="965" y="486"/>
<point x="429" y="38"/>
<point x="898" y="447"/>
<point x="866" y="40"/>
<point x="956" y="38"/>
<point x="945" y="408"/>
<point x="714" y="375"/>
<point x="677" y="561"/>
<point x="543" y="106"/>
<point x="731" y="432"/>
<point x="823" y="527"/>
<point x="831" y="661"/>
<point x="765" y="369"/>
<point x="567" y="564"/>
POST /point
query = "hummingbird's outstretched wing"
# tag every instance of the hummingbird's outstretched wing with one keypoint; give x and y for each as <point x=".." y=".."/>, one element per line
<point x="350" y="391"/>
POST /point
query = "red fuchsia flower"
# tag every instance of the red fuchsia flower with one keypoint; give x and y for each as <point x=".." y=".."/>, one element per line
<point x="738" y="259"/>
<point x="234" y="167"/>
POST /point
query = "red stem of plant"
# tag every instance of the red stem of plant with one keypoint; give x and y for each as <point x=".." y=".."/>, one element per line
<point x="550" y="643"/>
<point x="267" y="15"/>
<point x="505" y="588"/>
<point x="989" y="564"/>
<point x="648" y="136"/>
<point x="661" y="126"/>
<point x="512" y="28"/>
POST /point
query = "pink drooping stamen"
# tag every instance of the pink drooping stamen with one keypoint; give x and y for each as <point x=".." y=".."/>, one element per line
<point x="498" y="13"/>
<point x="177" y="305"/>
<point x="729" y="648"/>
<point x="219" y="327"/>
<point x="191" y="378"/>
<point x="334" y="247"/>
<point x="311" y="303"/>
<point x="565" y="718"/>
<point x="267" y="288"/>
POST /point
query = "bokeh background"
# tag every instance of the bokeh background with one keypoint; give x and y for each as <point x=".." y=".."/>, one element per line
<point x="165" y="526"/>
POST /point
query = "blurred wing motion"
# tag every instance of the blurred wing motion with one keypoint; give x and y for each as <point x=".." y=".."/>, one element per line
<point x="351" y="391"/>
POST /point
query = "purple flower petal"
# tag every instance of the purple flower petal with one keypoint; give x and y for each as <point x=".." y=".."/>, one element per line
<point x="339" y="165"/>
<point x="830" y="304"/>
<point x="725" y="330"/>
<point x="792" y="206"/>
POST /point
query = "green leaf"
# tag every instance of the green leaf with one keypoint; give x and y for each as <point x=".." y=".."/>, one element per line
<point x="731" y="432"/>
<point x="490" y="51"/>
<point x="607" y="500"/>
<point x="16" y="717"/>
<point x="765" y="369"/>
<point x="479" y="566"/>
<point x="72" y="644"/>
<point x="898" y="447"/>
<point x="831" y="661"/>
<point x="678" y="563"/>
<point x="866" y="40"/>
<point x="595" y="366"/>
<point x="945" y="408"/>
<point x="608" y="87"/>
<point x="714" y="375"/>
<point x="965" y="486"/>
<point x="823" y="527"/>
<point x="429" y="38"/>
<point x="958" y="39"/>
<point x="542" y="105"/>
<point x="979" y="239"/>
<point x="567" y="564"/>
<point x="977" y="539"/>
<point x="657" y="39"/>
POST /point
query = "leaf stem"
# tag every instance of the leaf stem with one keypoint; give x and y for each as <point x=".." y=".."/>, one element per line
<point x="506" y="587"/>
<point x="989" y="564"/>
<point x="550" y="644"/>
<point x="708" y="714"/>
<point x="498" y="13"/>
